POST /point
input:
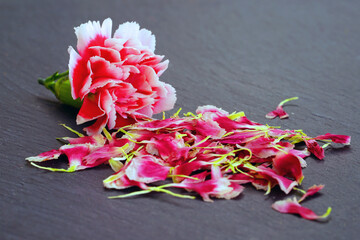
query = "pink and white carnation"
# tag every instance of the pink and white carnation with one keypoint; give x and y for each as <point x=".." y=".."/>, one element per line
<point x="117" y="77"/>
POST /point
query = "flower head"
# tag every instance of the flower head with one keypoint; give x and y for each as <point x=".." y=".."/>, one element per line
<point x="117" y="77"/>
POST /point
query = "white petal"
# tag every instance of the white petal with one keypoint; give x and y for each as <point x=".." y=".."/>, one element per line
<point x="106" y="27"/>
<point x="127" y="31"/>
<point x="74" y="58"/>
<point x="147" y="39"/>
<point x="88" y="31"/>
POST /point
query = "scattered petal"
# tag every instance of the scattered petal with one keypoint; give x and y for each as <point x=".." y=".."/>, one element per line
<point x="343" y="139"/>
<point x="288" y="165"/>
<point x="311" y="191"/>
<point x="279" y="111"/>
<point x="315" y="148"/>
<point x="293" y="207"/>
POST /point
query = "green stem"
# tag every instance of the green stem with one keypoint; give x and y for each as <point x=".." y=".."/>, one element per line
<point x="288" y="100"/>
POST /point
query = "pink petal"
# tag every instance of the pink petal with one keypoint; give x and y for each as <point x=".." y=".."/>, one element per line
<point x="115" y="43"/>
<point x="239" y="124"/>
<point x="90" y="109"/>
<point x="97" y="127"/>
<point x="288" y="165"/>
<point x="147" y="110"/>
<point x="102" y="68"/>
<point x="146" y="169"/>
<point x="121" y="121"/>
<point x="187" y="168"/>
<point x="75" y="155"/>
<point x="196" y="178"/>
<point x="315" y="148"/>
<point x="311" y="191"/>
<point x="120" y="180"/>
<point x="220" y="188"/>
<point x="122" y="92"/>
<point x="104" y="153"/>
<point x="97" y="139"/>
<point x="99" y="107"/>
<point x="241" y="178"/>
<point x="262" y="147"/>
<point x="209" y="128"/>
<point x="131" y="56"/>
<point x="145" y="80"/>
<point x="155" y="125"/>
<point x="293" y="207"/>
<point x="285" y="184"/>
<point x="300" y="153"/>
<point x="241" y="137"/>
<point x="166" y="102"/>
<point x="49" y="155"/>
<point x="155" y="62"/>
<point x="92" y="34"/>
<point x="343" y="139"/>
<point x="160" y="68"/>
<point x="107" y="104"/>
<point x="79" y="75"/>
<point x="279" y="111"/>
<point x="211" y="112"/>
<point x="107" y="53"/>
<point x="168" y="147"/>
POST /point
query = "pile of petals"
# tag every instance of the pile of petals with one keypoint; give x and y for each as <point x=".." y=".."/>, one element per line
<point x="211" y="153"/>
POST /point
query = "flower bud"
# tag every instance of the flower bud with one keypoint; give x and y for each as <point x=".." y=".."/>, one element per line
<point x="59" y="84"/>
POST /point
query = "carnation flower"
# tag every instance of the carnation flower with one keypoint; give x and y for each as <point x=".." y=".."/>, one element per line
<point x="115" y="79"/>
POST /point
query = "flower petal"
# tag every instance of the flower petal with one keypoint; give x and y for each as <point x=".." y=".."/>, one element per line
<point x="97" y="139"/>
<point x="343" y="139"/>
<point x="90" y="109"/>
<point x="146" y="169"/>
<point x="49" y="155"/>
<point x="79" y="75"/>
<point x="102" y="68"/>
<point x="167" y="101"/>
<point x="127" y="30"/>
<point x="219" y="187"/>
<point x="97" y="127"/>
<point x="315" y="148"/>
<point x="293" y="207"/>
<point x="135" y="37"/>
<point x="279" y="111"/>
<point x="75" y="155"/>
<point x="311" y="191"/>
<point x="92" y="34"/>
<point x="147" y="39"/>
<point x="288" y="165"/>
<point x="120" y="180"/>
<point x="285" y="184"/>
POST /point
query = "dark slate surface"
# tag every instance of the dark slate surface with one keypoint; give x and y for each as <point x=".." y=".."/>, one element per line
<point x="238" y="55"/>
